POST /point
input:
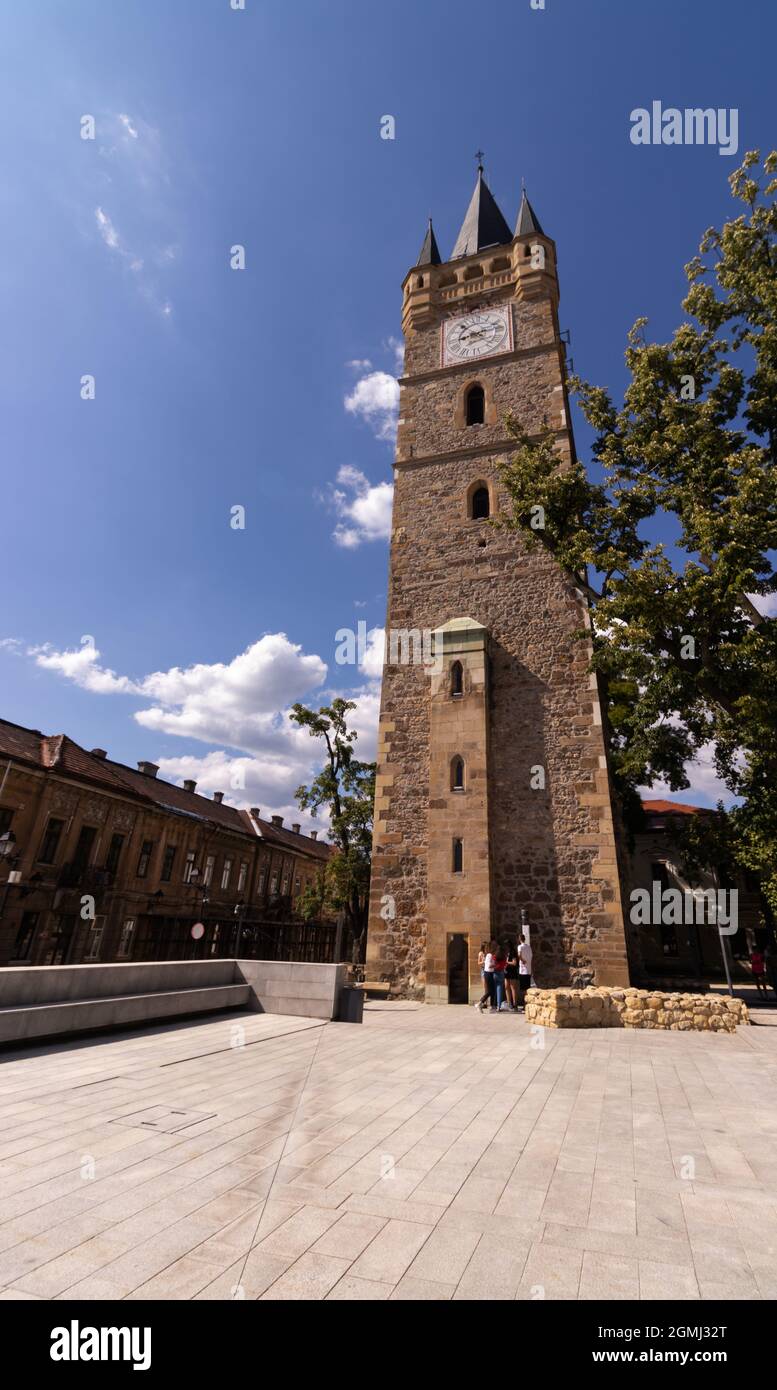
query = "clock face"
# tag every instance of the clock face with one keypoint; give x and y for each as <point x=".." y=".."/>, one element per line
<point x="479" y="334"/>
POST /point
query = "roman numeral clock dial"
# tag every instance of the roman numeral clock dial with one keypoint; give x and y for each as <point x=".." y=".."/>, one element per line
<point x="482" y="333"/>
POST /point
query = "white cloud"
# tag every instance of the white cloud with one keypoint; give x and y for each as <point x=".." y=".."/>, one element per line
<point x="706" y="787"/>
<point x="114" y="241"/>
<point x="81" y="666"/>
<point x="765" y="603"/>
<point x="108" y="232"/>
<point x="375" y="399"/>
<point x="397" y="346"/>
<point x="267" y="782"/>
<point x="241" y="705"/>
<point x="364" y="508"/>
<point x="371" y="664"/>
<point x="131" y="129"/>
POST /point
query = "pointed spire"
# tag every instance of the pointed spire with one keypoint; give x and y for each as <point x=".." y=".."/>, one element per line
<point x="483" y="225"/>
<point x="429" y="254"/>
<point x="528" y="223"/>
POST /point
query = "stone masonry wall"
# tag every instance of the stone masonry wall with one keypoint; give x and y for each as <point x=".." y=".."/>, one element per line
<point x="634" y="1008"/>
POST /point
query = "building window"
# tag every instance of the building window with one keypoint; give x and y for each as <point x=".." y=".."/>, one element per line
<point x="83" y="849"/>
<point x="262" y="879"/>
<point x="167" y="863"/>
<point x="114" y="853"/>
<point x="188" y="868"/>
<point x="226" y="874"/>
<point x="144" y="859"/>
<point x="51" y="839"/>
<point x="458" y="856"/>
<point x="297" y="884"/>
<point x="457" y="775"/>
<point x="481" y="503"/>
<point x="207" y="876"/>
<point x="6" y="816"/>
<point x="457" y="678"/>
<point x="242" y="876"/>
<point x="476" y="405"/>
<point x="273" y="883"/>
<point x="126" y="938"/>
<point x="25" y="936"/>
<point x="286" y="882"/>
<point x="94" y="939"/>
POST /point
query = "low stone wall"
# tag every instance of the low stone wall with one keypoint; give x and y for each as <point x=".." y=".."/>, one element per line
<point x="634" y="1008"/>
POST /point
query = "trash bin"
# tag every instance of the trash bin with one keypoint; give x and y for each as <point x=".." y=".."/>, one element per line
<point x="351" y="1005"/>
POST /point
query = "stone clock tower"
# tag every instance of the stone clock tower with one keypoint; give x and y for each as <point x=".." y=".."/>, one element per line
<point x="492" y="793"/>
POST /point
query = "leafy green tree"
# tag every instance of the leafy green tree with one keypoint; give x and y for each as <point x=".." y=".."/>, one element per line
<point x="685" y="658"/>
<point x="345" y="787"/>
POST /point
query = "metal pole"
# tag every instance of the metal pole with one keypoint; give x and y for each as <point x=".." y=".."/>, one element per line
<point x="724" y="953"/>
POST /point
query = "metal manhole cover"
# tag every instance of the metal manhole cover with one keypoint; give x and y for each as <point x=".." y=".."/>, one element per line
<point x="163" y="1118"/>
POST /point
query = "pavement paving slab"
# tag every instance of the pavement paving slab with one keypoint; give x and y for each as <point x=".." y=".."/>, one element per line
<point x="429" y="1154"/>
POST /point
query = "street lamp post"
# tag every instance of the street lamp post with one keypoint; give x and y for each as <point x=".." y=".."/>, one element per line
<point x="202" y="890"/>
<point x="9" y="851"/>
<point x="240" y="912"/>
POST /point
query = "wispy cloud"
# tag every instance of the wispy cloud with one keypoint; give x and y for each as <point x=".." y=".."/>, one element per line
<point x="126" y="122"/>
<point x="137" y="174"/>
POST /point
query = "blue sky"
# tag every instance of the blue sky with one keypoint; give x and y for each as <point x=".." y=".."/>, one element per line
<point x="259" y="388"/>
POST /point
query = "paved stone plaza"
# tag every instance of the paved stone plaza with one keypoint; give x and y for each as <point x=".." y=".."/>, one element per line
<point x="430" y="1154"/>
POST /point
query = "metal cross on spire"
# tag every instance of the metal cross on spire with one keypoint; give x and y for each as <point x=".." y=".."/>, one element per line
<point x="480" y="156"/>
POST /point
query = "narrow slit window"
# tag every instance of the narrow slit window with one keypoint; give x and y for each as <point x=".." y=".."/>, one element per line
<point x="476" y="405"/>
<point x="457" y="678"/>
<point x="458" y="856"/>
<point x="457" y="775"/>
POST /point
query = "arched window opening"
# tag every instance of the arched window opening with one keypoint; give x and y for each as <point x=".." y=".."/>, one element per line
<point x="476" y="405"/>
<point x="458" y="856"/>
<point x="474" y="272"/>
<point x="457" y="678"/>
<point x="457" y="775"/>
<point x="420" y="282"/>
<point x="481" y="504"/>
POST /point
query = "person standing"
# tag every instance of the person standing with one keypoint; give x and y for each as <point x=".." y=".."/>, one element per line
<point x="488" y="979"/>
<point x="500" y="962"/>
<point x="511" y="976"/>
<point x="524" y="967"/>
<point x="758" y="967"/>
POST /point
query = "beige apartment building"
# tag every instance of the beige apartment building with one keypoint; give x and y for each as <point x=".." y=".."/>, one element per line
<point x="100" y="861"/>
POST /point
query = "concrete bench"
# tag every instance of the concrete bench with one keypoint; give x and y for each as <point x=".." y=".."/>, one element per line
<point x="22" y="1022"/>
<point x="53" y="1001"/>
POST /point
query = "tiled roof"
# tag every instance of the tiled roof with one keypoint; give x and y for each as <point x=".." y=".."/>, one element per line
<point x="57" y="752"/>
<point x="170" y="797"/>
<point x="680" y="808"/>
<point x="288" y="839"/>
